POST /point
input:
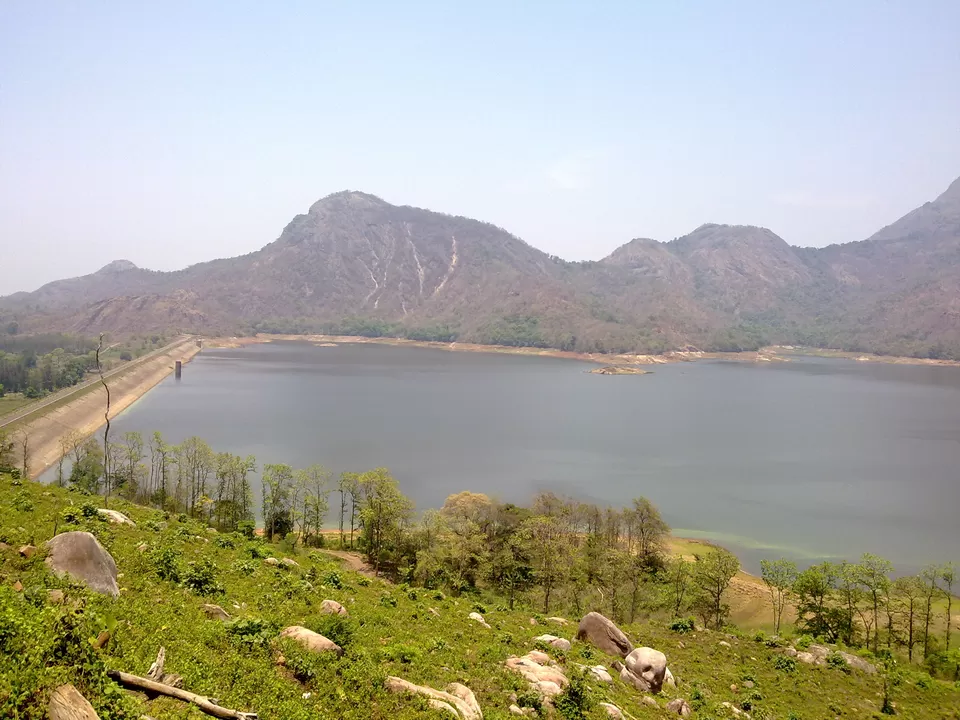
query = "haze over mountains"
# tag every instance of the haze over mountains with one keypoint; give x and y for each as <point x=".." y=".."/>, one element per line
<point x="355" y="264"/>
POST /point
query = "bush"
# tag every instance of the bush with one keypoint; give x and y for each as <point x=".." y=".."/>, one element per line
<point x="333" y="579"/>
<point x="22" y="501"/>
<point x="575" y="702"/>
<point x="201" y="577"/>
<point x="257" y="550"/>
<point x="223" y="542"/>
<point x="480" y="608"/>
<point x="166" y="562"/>
<point x="363" y="581"/>
<point x="338" y="628"/>
<point x="250" y="633"/>
<point x="836" y="661"/>
<point x="90" y="511"/>
<point x="247" y="528"/>
<point x="803" y="642"/>
<point x="683" y="625"/>
<point x="785" y="664"/>
<point x="388" y="600"/>
<point x="70" y="515"/>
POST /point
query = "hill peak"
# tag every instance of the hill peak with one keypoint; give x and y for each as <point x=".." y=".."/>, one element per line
<point x="117" y="266"/>
<point x="348" y="200"/>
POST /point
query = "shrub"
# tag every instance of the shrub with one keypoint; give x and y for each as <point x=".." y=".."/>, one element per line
<point x="575" y="702"/>
<point x="683" y="625"/>
<point x="257" y="550"/>
<point x="244" y="567"/>
<point x="250" y="633"/>
<point x="166" y="562"/>
<point x="201" y="577"/>
<point x="22" y="501"/>
<point x="70" y="515"/>
<point x="836" y="661"/>
<point x="89" y="511"/>
<point x="247" y="528"/>
<point x="803" y="642"/>
<point x="223" y="542"/>
<point x="338" y="628"/>
<point x="333" y="579"/>
<point x="785" y="664"/>
<point x="363" y="581"/>
<point x="760" y="636"/>
<point x="480" y="608"/>
<point x="387" y="600"/>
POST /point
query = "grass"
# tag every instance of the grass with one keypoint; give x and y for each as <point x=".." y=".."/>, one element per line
<point x="9" y="403"/>
<point x="390" y="631"/>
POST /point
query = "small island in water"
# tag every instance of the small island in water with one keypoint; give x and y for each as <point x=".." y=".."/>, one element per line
<point x="619" y="370"/>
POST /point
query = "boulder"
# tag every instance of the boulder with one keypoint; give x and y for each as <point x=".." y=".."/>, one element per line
<point x="808" y="658"/>
<point x="477" y="617"/>
<point x="458" y="700"/>
<point x="18" y="586"/>
<point x="558" y="621"/>
<point x="79" y="555"/>
<point x="55" y="597"/>
<point x="28" y="551"/>
<point x="602" y="633"/>
<point x="272" y="562"/>
<point x="790" y="652"/>
<point x="613" y="711"/>
<point x="647" y="700"/>
<point x="215" y="612"/>
<point x="858" y="662"/>
<point x="290" y="563"/>
<point x="543" y="679"/>
<point x="117" y="518"/>
<point x="644" y="668"/>
<point x="724" y="643"/>
<point x="522" y="712"/>
<point x="332" y="607"/>
<point x="680" y="706"/>
<point x="668" y="679"/>
<point x="434" y="612"/>
<point x="66" y="703"/>
<point x="820" y="653"/>
<point x="599" y="673"/>
<point x="314" y="642"/>
<point x="557" y="642"/>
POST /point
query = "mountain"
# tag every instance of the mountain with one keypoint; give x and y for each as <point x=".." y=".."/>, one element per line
<point x="358" y="265"/>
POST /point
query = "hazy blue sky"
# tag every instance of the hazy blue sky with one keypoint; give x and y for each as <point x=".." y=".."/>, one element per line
<point x="175" y="132"/>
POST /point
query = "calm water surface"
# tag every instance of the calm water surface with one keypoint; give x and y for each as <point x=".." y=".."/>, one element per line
<point x="813" y="458"/>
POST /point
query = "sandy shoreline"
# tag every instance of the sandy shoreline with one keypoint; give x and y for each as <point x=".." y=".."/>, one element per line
<point x="85" y="413"/>
<point x="772" y="353"/>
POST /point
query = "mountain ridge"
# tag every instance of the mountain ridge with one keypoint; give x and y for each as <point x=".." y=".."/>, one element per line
<point x="354" y="262"/>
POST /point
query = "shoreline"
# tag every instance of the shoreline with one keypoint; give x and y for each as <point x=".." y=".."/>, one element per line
<point x="85" y="413"/>
<point x="771" y="353"/>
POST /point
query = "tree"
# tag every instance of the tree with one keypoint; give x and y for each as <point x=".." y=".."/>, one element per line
<point x="948" y="574"/>
<point x="874" y="576"/>
<point x="679" y="572"/>
<point x="646" y="531"/>
<point x="349" y="485"/>
<point x="548" y="547"/>
<point x="88" y="471"/>
<point x="383" y="515"/>
<point x="908" y="594"/>
<point x="779" y="576"/>
<point x="277" y="482"/>
<point x="929" y="577"/>
<point x="713" y="572"/>
<point x="315" y="481"/>
<point x="24" y="442"/>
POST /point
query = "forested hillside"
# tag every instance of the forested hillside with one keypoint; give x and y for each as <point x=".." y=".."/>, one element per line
<point x="354" y="264"/>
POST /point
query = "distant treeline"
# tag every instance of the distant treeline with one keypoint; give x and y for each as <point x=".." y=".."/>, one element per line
<point x="556" y="553"/>
<point x="39" y="364"/>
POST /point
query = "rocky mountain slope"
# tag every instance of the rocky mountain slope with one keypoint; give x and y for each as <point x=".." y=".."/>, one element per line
<point x="356" y="264"/>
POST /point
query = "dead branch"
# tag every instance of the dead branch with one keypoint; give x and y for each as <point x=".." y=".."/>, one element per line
<point x="204" y="703"/>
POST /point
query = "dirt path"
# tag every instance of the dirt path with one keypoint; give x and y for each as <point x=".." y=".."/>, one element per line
<point x="354" y="561"/>
<point x="85" y="414"/>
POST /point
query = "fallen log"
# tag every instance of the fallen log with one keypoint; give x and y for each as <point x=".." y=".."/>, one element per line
<point x="204" y="703"/>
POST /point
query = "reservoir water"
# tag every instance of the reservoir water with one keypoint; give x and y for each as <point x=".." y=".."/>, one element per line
<point x="809" y="459"/>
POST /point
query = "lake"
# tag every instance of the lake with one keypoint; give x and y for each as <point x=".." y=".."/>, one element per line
<point x="809" y="459"/>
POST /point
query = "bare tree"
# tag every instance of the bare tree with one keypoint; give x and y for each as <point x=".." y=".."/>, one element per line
<point x="106" y="428"/>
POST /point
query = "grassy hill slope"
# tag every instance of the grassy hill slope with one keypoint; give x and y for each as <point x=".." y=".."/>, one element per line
<point x="170" y="566"/>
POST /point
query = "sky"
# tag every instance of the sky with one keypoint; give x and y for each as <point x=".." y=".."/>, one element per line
<point x="177" y="132"/>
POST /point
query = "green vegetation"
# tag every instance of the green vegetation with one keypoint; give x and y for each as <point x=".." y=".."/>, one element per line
<point x="171" y="564"/>
<point x="36" y="365"/>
